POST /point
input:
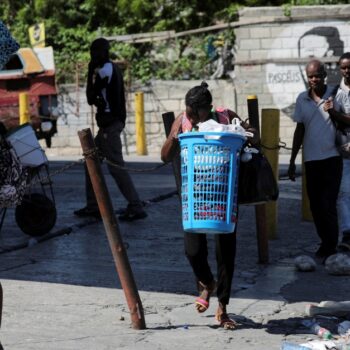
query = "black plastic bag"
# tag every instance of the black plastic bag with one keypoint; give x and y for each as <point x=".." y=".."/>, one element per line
<point x="256" y="183"/>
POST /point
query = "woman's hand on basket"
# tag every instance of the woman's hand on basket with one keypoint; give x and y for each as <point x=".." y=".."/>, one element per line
<point x="176" y="128"/>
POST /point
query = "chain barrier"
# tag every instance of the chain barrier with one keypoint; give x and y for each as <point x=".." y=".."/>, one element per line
<point x="280" y="145"/>
<point x="47" y="179"/>
<point x="134" y="169"/>
<point x="94" y="152"/>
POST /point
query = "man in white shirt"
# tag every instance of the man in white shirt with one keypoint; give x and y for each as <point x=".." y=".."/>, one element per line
<point x="323" y="164"/>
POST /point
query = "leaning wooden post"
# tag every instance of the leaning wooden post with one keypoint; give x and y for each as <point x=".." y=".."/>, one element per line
<point x="260" y="212"/>
<point x="112" y="229"/>
<point x="168" y="119"/>
<point x="270" y="126"/>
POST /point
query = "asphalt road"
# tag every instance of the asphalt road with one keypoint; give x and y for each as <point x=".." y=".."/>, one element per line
<point x="64" y="292"/>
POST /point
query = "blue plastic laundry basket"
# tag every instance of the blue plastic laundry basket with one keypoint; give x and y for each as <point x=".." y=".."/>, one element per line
<point x="209" y="173"/>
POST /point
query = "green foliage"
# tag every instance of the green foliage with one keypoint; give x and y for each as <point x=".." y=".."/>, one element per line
<point x="71" y="25"/>
<point x="230" y="13"/>
<point x="317" y="2"/>
<point x="287" y="10"/>
<point x="72" y="47"/>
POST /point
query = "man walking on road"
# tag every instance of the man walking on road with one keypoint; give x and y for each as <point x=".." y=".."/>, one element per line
<point x="339" y="110"/>
<point x="323" y="164"/>
<point x="105" y="90"/>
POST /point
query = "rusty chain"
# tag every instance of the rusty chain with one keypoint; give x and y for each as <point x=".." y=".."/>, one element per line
<point x="280" y="145"/>
<point x="58" y="171"/>
<point x="94" y="152"/>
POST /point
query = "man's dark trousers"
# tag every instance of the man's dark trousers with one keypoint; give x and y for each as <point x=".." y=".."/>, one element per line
<point x="109" y="144"/>
<point x="323" y="179"/>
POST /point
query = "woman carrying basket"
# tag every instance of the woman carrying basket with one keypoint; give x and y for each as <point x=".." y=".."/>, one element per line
<point x="199" y="108"/>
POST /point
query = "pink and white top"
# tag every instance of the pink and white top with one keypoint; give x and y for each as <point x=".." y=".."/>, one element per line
<point x="220" y="114"/>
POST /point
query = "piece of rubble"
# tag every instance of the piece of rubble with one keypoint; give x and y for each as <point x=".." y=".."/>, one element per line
<point x="333" y="308"/>
<point x="304" y="263"/>
<point x="338" y="264"/>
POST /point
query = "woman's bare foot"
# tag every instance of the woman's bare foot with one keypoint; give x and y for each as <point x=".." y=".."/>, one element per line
<point x="224" y="320"/>
<point x="202" y="302"/>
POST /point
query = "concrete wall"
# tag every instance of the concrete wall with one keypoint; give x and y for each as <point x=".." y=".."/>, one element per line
<point x="324" y="33"/>
<point x="270" y="58"/>
<point x="159" y="97"/>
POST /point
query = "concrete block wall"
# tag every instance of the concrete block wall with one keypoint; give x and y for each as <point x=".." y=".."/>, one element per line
<point x="324" y="33"/>
<point x="159" y="97"/>
<point x="277" y="85"/>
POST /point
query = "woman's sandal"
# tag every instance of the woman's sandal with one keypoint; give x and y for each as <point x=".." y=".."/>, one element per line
<point x="202" y="302"/>
<point x="226" y="322"/>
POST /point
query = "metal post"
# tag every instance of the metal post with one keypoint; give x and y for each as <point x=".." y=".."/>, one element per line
<point x="270" y="126"/>
<point x="141" y="147"/>
<point x="168" y="119"/>
<point x="23" y="108"/>
<point x="253" y="112"/>
<point x="260" y="210"/>
<point x="112" y="230"/>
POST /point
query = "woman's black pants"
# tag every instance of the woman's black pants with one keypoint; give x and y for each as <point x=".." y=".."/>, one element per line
<point x="196" y="250"/>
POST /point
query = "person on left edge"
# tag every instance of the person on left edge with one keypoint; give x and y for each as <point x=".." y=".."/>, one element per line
<point x="323" y="164"/>
<point x="199" y="108"/>
<point x="339" y="110"/>
<point x="105" y="90"/>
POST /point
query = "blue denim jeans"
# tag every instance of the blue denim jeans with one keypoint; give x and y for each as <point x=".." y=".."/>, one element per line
<point x="344" y="200"/>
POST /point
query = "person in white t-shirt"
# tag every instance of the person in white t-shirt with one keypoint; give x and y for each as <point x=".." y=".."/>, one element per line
<point x="323" y="164"/>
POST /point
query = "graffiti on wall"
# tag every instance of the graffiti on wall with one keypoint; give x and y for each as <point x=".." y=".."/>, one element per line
<point x="319" y="40"/>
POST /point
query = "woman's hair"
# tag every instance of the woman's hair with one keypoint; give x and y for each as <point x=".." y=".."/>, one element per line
<point x="100" y="44"/>
<point x="199" y="97"/>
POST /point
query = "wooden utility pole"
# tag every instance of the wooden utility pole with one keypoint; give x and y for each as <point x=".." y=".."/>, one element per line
<point x="112" y="229"/>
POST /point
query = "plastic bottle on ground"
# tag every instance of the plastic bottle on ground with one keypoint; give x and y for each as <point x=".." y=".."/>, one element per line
<point x="315" y="328"/>
<point x="291" y="346"/>
<point x="344" y="328"/>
